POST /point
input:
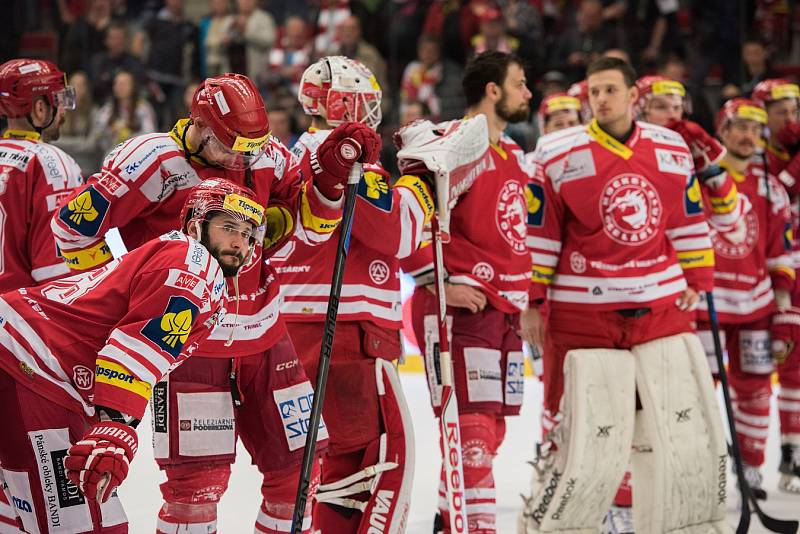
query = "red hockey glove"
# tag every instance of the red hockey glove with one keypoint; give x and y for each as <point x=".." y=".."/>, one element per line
<point x="706" y="151"/>
<point x="789" y="136"/>
<point x="345" y="145"/>
<point x="785" y="332"/>
<point x="99" y="462"/>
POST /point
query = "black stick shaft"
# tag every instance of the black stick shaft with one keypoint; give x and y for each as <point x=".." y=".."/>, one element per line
<point x="309" y="451"/>
<point x="744" y="519"/>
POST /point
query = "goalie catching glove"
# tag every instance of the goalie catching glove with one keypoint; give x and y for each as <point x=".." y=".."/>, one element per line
<point x="99" y="462"/>
<point x="346" y="144"/>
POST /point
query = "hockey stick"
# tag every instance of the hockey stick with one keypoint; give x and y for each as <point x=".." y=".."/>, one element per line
<point x="770" y="523"/>
<point x="325" y="350"/>
<point x="448" y="421"/>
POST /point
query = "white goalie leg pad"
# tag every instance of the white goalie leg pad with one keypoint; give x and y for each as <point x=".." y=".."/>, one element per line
<point x="680" y="454"/>
<point x="593" y="443"/>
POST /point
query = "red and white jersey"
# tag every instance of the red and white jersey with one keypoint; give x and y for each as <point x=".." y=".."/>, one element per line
<point x="487" y="247"/>
<point x="143" y="185"/>
<point x="387" y="225"/>
<point x="755" y="257"/>
<point x="33" y="177"/>
<point x="616" y="225"/>
<point x="105" y="337"/>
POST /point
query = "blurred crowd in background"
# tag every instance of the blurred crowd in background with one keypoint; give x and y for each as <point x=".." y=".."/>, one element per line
<point x="135" y="64"/>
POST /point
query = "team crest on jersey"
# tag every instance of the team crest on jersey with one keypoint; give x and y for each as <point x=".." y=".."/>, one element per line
<point x="512" y="216"/>
<point x="630" y="209"/>
<point x="534" y="195"/>
<point x="170" y="331"/>
<point x="741" y="248"/>
<point x="83" y="377"/>
<point x="85" y="213"/>
<point x="375" y="189"/>
<point x="693" y="197"/>
<point x="379" y="272"/>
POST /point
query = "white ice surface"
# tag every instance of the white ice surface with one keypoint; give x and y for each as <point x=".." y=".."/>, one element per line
<point x="239" y="506"/>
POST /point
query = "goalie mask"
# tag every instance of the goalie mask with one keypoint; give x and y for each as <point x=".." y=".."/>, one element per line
<point x="341" y="90"/>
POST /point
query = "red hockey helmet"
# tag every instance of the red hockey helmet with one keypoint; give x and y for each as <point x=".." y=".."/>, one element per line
<point x="580" y="90"/>
<point x="233" y="120"/>
<point x="23" y="80"/>
<point x="650" y="86"/>
<point x="219" y="194"/>
<point x="742" y="109"/>
<point x="341" y="90"/>
<point x="772" y="90"/>
<point x="557" y="102"/>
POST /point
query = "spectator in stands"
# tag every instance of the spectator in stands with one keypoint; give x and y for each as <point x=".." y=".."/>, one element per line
<point x="673" y="67"/>
<point x="214" y="31"/>
<point x="492" y="34"/>
<point x="757" y="64"/>
<point x="553" y="81"/>
<point x="280" y="122"/>
<point x="583" y="42"/>
<point x="172" y="59"/>
<point x="114" y="58"/>
<point x="253" y="32"/>
<point x="413" y="111"/>
<point x="524" y="23"/>
<point x="328" y="14"/>
<point x="126" y="114"/>
<point x="434" y="81"/>
<point x="75" y="132"/>
<point x="85" y="36"/>
<point x="289" y="58"/>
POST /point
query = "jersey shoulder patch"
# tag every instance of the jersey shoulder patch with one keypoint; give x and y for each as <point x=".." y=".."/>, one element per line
<point x="171" y="329"/>
<point x="374" y="188"/>
<point x="85" y="213"/>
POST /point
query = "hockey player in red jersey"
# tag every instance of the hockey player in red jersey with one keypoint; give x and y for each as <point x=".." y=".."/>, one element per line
<point x="558" y="111"/>
<point x="34" y="174"/>
<point x="257" y="381"/>
<point x="621" y="249"/>
<point x="580" y="90"/>
<point x="368" y="468"/>
<point x="79" y="358"/>
<point x="781" y="99"/>
<point x="754" y="276"/>
<point x="488" y="268"/>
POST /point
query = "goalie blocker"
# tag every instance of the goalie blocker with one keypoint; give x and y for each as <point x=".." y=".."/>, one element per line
<point x="678" y="445"/>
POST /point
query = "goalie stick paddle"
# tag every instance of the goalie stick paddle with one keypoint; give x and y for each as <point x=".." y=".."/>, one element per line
<point x="325" y="350"/>
<point x="448" y="421"/>
<point x="770" y="523"/>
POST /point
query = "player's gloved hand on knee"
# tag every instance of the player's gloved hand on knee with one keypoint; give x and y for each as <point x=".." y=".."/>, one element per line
<point x="335" y="157"/>
<point x="99" y="462"/>
<point x="784" y="330"/>
<point x="706" y="151"/>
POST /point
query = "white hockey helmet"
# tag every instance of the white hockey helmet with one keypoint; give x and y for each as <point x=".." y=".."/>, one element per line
<point x="341" y="90"/>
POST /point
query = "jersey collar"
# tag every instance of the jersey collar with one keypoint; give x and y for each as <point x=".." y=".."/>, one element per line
<point x="606" y="141"/>
<point x="782" y="155"/>
<point x="27" y="135"/>
<point x="177" y="134"/>
<point x="736" y="175"/>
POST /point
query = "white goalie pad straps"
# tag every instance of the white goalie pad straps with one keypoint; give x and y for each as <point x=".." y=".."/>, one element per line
<point x="592" y="444"/>
<point x="680" y="454"/>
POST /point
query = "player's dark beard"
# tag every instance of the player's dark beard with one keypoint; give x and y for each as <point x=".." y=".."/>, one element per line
<point x="227" y="269"/>
<point x="511" y="115"/>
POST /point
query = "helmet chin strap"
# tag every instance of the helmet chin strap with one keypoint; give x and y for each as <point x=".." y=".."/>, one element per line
<point x="40" y="129"/>
<point x="187" y="152"/>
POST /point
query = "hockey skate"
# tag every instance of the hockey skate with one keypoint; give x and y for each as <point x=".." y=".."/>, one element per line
<point x="755" y="480"/>
<point x="790" y="469"/>
<point x="619" y="520"/>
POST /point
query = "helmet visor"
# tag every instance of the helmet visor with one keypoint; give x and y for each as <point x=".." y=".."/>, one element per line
<point x="66" y="98"/>
<point x="242" y="155"/>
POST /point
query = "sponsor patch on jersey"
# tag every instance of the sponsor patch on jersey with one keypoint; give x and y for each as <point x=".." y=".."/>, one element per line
<point x="85" y="213"/>
<point x="511" y="216"/>
<point x="188" y="282"/>
<point x="80" y="260"/>
<point x="515" y="379"/>
<point x="534" y="195"/>
<point x="484" y="378"/>
<point x="674" y="161"/>
<point x="578" y="164"/>
<point x="14" y="157"/>
<point x="294" y="407"/>
<point x="788" y="238"/>
<point x="692" y="197"/>
<point x="171" y="330"/>
<point x="630" y="209"/>
<point x="375" y="189"/>
<point x="114" y="374"/>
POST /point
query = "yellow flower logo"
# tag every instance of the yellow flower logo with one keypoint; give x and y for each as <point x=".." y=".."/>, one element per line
<point x="534" y="203"/>
<point x="693" y="193"/>
<point x="81" y="208"/>
<point x="177" y="325"/>
<point x="376" y="185"/>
